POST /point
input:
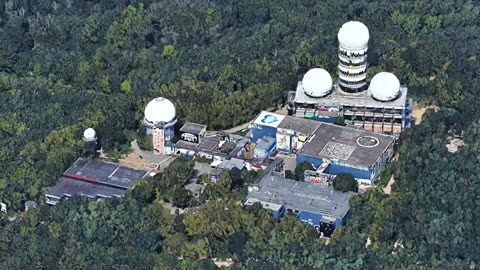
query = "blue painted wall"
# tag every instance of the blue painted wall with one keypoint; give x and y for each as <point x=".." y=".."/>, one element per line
<point x="357" y="173"/>
<point x="338" y="223"/>
<point x="265" y="131"/>
<point x="277" y="215"/>
<point x="335" y="169"/>
<point x="316" y="162"/>
<point x="312" y="219"/>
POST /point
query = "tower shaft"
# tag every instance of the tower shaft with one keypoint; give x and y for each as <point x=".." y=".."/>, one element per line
<point x="352" y="70"/>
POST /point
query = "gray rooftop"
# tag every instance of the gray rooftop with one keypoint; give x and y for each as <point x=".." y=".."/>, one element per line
<point x="346" y="145"/>
<point x="209" y="145"/>
<point x="232" y="163"/>
<point x="337" y="98"/>
<point x="301" y="125"/>
<point x="94" y="178"/>
<point x="193" y="128"/>
<point x="265" y="143"/>
<point x="302" y="196"/>
<point x="68" y="187"/>
<point x="186" y="145"/>
<point x="104" y="172"/>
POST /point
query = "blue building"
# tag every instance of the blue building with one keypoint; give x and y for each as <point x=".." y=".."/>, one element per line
<point x="318" y="205"/>
<point x="360" y="153"/>
<point x="265" y="125"/>
<point x="264" y="147"/>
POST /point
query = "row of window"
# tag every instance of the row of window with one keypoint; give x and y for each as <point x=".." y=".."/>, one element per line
<point x="346" y="53"/>
<point x="350" y="63"/>
<point x="351" y="74"/>
<point x="353" y="83"/>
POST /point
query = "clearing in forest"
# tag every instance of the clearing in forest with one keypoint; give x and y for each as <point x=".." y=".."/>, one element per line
<point x="419" y="110"/>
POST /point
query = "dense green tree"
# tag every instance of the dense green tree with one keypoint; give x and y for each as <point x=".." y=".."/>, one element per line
<point x="300" y="170"/>
<point x="345" y="182"/>
<point x="69" y="65"/>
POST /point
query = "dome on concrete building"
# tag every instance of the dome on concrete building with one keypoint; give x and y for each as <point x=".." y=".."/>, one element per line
<point x="384" y="86"/>
<point x="89" y="135"/>
<point x="353" y="36"/>
<point x="160" y="110"/>
<point x="317" y="82"/>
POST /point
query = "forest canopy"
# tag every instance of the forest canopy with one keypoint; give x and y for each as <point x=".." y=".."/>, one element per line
<point x="67" y="65"/>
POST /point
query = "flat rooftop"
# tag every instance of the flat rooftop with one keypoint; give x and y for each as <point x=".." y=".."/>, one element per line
<point x="104" y="172"/>
<point x="337" y="98"/>
<point x="302" y="196"/>
<point x="210" y="145"/>
<point x="193" y="128"/>
<point x="68" y="187"/>
<point x="94" y="178"/>
<point x="349" y="146"/>
<point x="300" y="125"/>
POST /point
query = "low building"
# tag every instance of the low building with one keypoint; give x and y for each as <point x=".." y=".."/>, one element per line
<point x="94" y="179"/>
<point x="264" y="147"/>
<point x="265" y="125"/>
<point x="360" y="153"/>
<point x="216" y="147"/>
<point x="318" y="205"/>
<point x="192" y="132"/>
<point x="226" y="165"/>
<point x="30" y="205"/>
<point x="293" y="132"/>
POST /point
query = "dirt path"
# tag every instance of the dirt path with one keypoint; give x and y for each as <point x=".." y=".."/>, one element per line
<point x="388" y="188"/>
<point x="144" y="160"/>
<point x="419" y="110"/>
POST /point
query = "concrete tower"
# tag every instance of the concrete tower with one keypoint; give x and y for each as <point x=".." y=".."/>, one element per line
<point x="159" y="120"/>
<point x="353" y="39"/>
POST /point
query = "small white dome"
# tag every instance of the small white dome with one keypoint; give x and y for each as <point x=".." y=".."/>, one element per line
<point x="160" y="110"/>
<point x="384" y="86"/>
<point x="353" y="36"/>
<point x="89" y="134"/>
<point x="317" y="82"/>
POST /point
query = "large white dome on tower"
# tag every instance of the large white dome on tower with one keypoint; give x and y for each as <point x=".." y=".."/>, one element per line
<point x="317" y="82"/>
<point x="384" y="86"/>
<point x="89" y="135"/>
<point x="353" y="36"/>
<point x="160" y="110"/>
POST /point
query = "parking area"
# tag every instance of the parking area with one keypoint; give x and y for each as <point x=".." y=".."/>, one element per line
<point x="145" y="160"/>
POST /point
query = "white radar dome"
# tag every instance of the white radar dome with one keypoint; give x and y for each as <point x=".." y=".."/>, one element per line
<point x="384" y="86"/>
<point x="89" y="134"/>
<point x="353" y="36"/>
<point x="317" y="82"/>
<point x="160" y="110"/>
